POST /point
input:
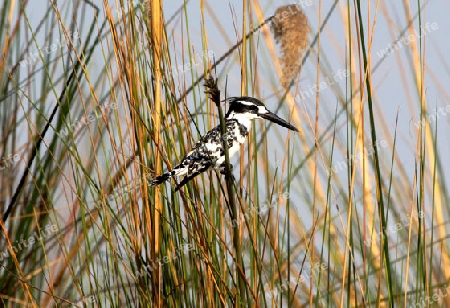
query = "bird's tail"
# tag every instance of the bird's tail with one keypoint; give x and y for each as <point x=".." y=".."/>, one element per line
<point x="177" y="171"/>
<point x="162" y="178"/>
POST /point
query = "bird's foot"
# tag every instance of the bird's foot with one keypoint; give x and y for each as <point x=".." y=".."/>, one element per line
<point x="223" y="171"/>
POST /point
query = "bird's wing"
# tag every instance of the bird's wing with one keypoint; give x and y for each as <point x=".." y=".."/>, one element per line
<point x="204" y="154"/>
<point x="189" y="177"/>
<point x="213" y="134"/>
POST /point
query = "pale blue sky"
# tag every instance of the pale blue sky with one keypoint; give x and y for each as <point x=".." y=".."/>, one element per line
<point x="393" y="79"/>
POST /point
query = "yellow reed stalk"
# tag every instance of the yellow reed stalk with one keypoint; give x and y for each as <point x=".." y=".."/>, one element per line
<point x="156" y="40"/>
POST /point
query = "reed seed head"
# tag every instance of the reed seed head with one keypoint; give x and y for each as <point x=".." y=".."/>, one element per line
<point x="290" y="29"/>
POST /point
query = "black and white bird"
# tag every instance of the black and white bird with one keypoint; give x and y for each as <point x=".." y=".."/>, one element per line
<point x="209" y="152"/>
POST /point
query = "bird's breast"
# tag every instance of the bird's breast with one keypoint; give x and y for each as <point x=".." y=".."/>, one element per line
<point x="212" y="145"/>
<point x="236" y="132"/>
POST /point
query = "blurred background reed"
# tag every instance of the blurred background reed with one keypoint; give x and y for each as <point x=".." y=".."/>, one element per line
<point x="98" y="97"/>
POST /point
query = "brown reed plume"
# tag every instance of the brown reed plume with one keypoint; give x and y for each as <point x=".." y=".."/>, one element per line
<point x="290" y="28"/>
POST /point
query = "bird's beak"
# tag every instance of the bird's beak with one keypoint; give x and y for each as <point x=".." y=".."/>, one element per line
<point x="276" y="119"/>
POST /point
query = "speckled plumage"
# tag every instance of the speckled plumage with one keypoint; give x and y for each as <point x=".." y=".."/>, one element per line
<point x="208" y="151"/>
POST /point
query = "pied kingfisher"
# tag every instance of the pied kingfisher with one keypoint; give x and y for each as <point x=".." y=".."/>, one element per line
<point x="208" y="152"/>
